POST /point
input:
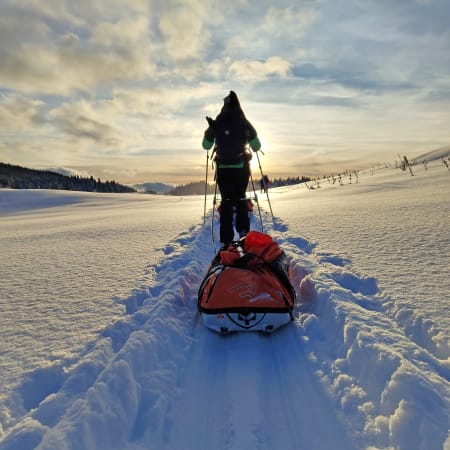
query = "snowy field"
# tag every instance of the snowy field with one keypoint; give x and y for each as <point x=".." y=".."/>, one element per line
<point x="102" y="346"/>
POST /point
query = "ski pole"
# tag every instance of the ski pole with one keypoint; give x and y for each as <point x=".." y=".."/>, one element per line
<point x="206" y="187"/>
<point x="213" y="210"/>
<point x="265" y="187"/>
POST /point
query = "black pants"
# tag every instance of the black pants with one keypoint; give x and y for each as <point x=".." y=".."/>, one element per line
<point x="232" y="184"/>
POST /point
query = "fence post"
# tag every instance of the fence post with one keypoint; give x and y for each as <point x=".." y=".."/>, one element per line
<point x="408" y="165"/>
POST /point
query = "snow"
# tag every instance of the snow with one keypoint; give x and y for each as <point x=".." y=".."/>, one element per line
<point x="102" y="346"/>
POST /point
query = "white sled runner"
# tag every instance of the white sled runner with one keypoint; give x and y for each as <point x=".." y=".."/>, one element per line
<point x="247" y="287"/>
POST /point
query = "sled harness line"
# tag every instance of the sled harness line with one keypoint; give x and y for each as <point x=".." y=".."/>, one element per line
<point x="254" y="197"/>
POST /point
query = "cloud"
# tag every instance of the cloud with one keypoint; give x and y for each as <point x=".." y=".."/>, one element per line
<point x="158" y="102"/>
<point x="80" y="120"/>
<point x="290" y="21"/>
<point x="19" y="113"/>
<point x="182" y="25"/>
<point x="259" y="70"/>
<point x="46" y="58"/>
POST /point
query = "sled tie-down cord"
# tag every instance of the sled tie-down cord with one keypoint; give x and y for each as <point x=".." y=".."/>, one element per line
<point x="249" y="198"/>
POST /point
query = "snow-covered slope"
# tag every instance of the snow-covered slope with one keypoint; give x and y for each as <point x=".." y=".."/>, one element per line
<point x="439" y="153"/>
<point x="347" y="374"/>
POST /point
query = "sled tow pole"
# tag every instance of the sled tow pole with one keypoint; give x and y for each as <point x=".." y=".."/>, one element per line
<point x="206" y="186"/>
<point x="264" y="183"/>
<point x="213" y="210"/>
<point x="257" y="203"/>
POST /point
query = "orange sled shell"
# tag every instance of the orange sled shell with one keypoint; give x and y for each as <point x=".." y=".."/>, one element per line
<point x="247" y="293"/>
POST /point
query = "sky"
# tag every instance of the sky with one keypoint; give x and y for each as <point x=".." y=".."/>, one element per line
<point x="120" y="90"/>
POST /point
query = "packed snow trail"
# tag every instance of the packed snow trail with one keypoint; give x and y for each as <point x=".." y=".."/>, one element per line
<point x="342" y="376"/>
<point x="251" y="395"/>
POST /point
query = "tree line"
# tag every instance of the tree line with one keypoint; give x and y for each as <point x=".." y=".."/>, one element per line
<point x="17" y="177"/>
<point x="198" y="187"/>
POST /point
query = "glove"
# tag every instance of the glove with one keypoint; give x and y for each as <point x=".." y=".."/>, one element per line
<point x="255" y="144"/>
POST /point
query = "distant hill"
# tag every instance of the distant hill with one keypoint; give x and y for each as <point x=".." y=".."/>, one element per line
<point x="193" y="188"/>
<point x="153" y="188"/>
<point x="65" y="171"/>
<point x="17" y="177"/>
<point x="439" y="153"/>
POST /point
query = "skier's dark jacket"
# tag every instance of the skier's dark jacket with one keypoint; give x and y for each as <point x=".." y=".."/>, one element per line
<point x="230" y="131"/>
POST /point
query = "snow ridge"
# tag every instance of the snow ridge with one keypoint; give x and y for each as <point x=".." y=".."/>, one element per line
<point x="159" y="379"/>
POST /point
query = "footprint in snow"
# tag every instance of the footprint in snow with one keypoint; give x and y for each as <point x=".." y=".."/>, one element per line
<point x="302" y="244"/>
<point x="40" y="383"/>
<point x="333" y="259"/>
<point x="279" y="226"/>
<point x="350" y="281"/>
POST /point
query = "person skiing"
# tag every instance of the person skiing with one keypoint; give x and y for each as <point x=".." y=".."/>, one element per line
<point x="264" y="183"/>
<point x="231" y="132"/>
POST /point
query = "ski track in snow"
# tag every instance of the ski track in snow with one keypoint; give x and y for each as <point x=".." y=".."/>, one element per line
<point x="158" y="379"/>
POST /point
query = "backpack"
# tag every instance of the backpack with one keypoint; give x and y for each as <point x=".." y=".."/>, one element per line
<point x="231" y="138"/>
